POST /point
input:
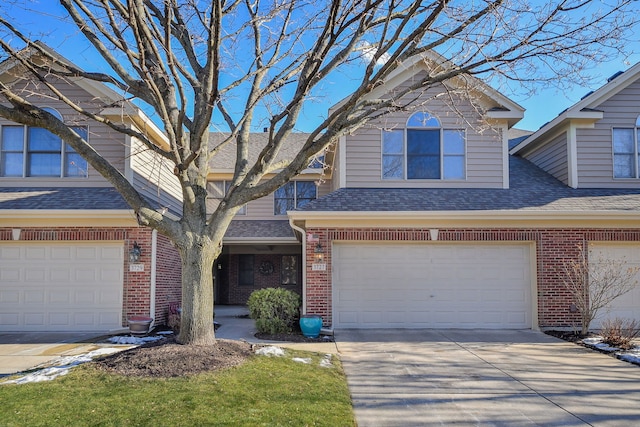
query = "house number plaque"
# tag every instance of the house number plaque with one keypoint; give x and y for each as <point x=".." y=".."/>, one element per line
<point x="318" y="267"/>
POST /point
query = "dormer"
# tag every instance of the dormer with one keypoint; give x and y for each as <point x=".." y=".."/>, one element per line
<point x="594" y="143"/>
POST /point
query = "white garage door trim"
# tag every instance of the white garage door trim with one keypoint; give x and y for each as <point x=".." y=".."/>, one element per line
<point x="412" y="285"/>
<point x="626" y="306"/>
<point x="61" y="286"/>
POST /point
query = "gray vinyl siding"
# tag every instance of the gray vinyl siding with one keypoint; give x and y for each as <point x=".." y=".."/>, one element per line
<point x="484" y="167"/>
<point x="153" y="177"/>
<point x="595" y="158"/>
<point x="553" y="158"/>
<point x="108" y="142"/>
<point x="262" y="208"/>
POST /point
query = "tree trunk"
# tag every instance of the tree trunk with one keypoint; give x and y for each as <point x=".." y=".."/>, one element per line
<point x="196" y="321"/>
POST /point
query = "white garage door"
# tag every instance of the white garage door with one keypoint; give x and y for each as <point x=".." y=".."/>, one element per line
<point x="60" y="286"/>
<point x="432" y="286"/>
<point x="626" y="306"/>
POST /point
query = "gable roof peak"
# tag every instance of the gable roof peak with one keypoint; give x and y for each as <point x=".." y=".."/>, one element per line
<point x="587" y="107"/>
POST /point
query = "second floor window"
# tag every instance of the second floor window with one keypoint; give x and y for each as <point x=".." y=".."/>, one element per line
<point x="626" y="156"/>
<point x="216" y="192"/>
<point x="424" y="150"/>
<point x="294" y="194"/>
<point x="35" y="152"/>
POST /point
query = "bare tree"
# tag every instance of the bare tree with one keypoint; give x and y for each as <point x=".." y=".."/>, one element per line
<point x="239" y="65"/>
<point x="595" y="283"/>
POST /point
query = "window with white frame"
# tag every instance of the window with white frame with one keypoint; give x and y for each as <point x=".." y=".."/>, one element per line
<point x="626" y="157"/>
<point x="294" y="194"/>
<point x="216" y="192"/>
<point x="423" y="150"/>
<point x="27" y="151"/>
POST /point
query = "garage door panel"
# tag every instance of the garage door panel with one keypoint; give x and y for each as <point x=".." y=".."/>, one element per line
<point x="62" y="253"/>
<point x="34" y="319"/>
<point x="10" y="319"/>
<point x="60" y="319"/>
<point x="432" y="285"/>
<point x="10" y="275"/>
<point x="626" y="306"/>
<point x="9" y="297"/>
<point x="36" y="297"/>
<point x="34" y="275"/>
<point x="59" y="275"/>
<point x="61" y="286"/>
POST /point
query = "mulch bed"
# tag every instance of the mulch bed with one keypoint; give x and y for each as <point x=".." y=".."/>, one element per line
<point x="570" y="336"/>
<point x="293" y="337"/>
<point x="166" y="358"/>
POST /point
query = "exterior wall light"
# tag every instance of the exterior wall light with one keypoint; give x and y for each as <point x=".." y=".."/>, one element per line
<point x="135" y="252"/>
<point x="318" y="253"/>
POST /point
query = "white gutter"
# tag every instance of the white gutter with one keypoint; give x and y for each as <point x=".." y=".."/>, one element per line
<point x="304" y="264"/>
<point x="260" y="240"/>
<point x="497" y="215"/>
<point x="342" y="162"/>
<point x="154" y="266"/>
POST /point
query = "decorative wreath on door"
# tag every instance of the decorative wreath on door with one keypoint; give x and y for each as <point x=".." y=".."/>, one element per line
<point x="266" y="268"/>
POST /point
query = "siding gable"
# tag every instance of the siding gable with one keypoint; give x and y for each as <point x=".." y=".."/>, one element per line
<point x="595" y="155"/>
<point x="455" y="110"/>
<point x="105" y="140"/>
<point x="553" y="158"/>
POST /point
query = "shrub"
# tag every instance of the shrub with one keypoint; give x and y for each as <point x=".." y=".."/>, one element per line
<point x="275" y="311"/>
<point x="620" y="332"/>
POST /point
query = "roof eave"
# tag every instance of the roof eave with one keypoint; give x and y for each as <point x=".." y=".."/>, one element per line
<point x="497" y="215"/>
<point x="68" y="217"/>
<point x="583" y="117"/>
<point x="259" y="240"/>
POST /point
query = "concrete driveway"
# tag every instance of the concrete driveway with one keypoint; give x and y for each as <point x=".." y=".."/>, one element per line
<point x="501" y="378"/>
<point x="26" y="350"/>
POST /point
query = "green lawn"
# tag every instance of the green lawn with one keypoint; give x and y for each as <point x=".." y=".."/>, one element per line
<point x="264" y="391"/>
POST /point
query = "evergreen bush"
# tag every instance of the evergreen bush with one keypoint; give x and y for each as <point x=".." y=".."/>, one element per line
<point x="274" y="310"/>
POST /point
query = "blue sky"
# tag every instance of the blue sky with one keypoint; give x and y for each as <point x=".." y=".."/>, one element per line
<point x="541" y="107"/>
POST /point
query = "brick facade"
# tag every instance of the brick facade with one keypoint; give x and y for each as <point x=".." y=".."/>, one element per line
<point x="552" y="248"/>
<point x="136" y="297"/>
<point x="232" y="292"/>
<point x="168" y="278"/>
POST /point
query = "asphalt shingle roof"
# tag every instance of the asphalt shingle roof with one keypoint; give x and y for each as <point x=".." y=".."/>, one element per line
<point x="226" y="157"/>
<point x="62" y="198"/>
<point x="531" y="189"/>
<point x="259" y="229"/>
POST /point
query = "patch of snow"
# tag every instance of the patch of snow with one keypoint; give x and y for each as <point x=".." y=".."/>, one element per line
<point x="592" y="340"/>
<point x="596" y="342"/>
<point x="305" y="360"/>
<point x="270" y="351"/>
<point x="165" y="333"/>
<point x="632" y="355"/>
<point x="605" y="347"/>
<point x="326" y="361"/>
<point x="62" y="365"/>
<point x="133" y="340"/>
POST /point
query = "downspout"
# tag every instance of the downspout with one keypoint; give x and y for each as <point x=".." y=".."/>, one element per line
<point x="303" y="233"/>
<point x="154" y="265"/>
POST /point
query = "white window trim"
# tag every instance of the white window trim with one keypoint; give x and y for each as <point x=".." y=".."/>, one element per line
<point x="406" y="156"/>
<point x="63" y="151"/>
<point x="295" y="195"/>
<point x="243" y="209"/>
<point x="636" y="153"/>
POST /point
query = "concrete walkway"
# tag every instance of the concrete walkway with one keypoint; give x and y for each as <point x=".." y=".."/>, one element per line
<point x="492" y="378"/>
<point x="23" y="351"/>
<point x="235" y="325"/>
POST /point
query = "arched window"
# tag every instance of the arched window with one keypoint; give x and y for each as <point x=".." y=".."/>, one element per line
<point x="423" y="150"/>
<point x="35" y="152"/>
<point x="625" y="151"/>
